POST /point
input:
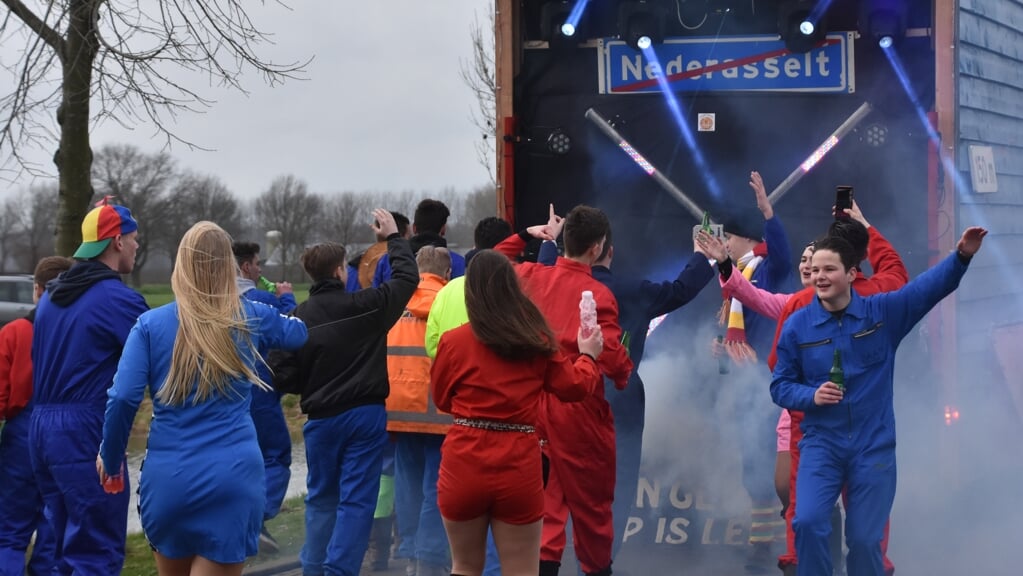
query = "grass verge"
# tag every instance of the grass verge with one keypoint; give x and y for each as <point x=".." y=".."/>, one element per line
<point x="288" y="528"/>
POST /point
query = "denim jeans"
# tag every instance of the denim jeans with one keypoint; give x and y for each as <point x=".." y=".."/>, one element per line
<point x="416" y="466"/>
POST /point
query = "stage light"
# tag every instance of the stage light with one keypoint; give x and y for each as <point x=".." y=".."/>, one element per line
<point x="883" y="20"/>
<point x="558" y="142"/>
<point x="641" y="23"/>
<point x="876" y="135"/>
<point x="801" y="25"/>
<point x="555" y="25"/>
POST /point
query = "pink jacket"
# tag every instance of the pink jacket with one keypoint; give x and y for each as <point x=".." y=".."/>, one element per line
<point x="761" y="301"/>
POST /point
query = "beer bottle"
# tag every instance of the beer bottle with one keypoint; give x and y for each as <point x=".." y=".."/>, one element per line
<point x="706" y="222"/>
<point x="266" y="285"/>
<point x="837" y="375"/>
<point x="723" y="358"/>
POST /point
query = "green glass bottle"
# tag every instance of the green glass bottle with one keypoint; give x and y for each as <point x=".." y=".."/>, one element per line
<point x="837" y="375"/>
<point x="267" y="285"/>
<point x="706" y="222"/>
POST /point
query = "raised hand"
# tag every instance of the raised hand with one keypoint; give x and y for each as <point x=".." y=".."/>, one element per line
<point x="554" y="224"/>
<point x="757" y="184"/>
<point x="854" y="213"/>
<point x="710" y="246"/>
<point x="383" y="223"/>
<point x="970" y="241"/>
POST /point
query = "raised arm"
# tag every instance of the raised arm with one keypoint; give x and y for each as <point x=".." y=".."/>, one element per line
<point x="905" y="307"/>
<point x="767" y="304"/>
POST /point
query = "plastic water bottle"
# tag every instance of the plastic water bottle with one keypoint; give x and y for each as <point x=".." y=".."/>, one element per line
<point x="588" y="314"/>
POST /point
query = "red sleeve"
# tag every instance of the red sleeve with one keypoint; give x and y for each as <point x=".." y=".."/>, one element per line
<point x="571" y="381"/>
<point x="511" y="247"/>
<point x="443" y="373"/>
<point x="6" y="362"/>
<point x="797" y="301"/>
<point x="614" y="360"/>
<point x="889" y="270"/>
<point x="15" y="367"/>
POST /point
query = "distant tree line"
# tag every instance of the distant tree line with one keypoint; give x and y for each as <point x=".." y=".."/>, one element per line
<point x="167" y="199"/>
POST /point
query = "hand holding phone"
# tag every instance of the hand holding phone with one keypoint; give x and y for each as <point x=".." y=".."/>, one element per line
<point x="843" y="200"/>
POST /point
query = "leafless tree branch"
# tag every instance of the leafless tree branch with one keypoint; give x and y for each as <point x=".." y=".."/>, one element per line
<point x="479" y="75"/>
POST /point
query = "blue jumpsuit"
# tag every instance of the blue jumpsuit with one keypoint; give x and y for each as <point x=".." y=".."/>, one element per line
<point x="267" y="415"/>
<point x="80" y="328"/>
<point x="851" y="443"/>
<point x="201" y="490"/>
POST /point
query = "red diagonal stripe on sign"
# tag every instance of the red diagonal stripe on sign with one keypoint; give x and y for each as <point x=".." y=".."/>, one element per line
<point x="635" y="86"/>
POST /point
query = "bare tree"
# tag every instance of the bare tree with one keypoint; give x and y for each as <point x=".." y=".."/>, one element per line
<point x="291" y="209"/>
<point x="344" y="218"/>
<point x="479" y="74"/>
<point x="9" y="230"/>
<point x="124" y="57"/>
<point x="38" y="225"/>
<point x="196" y="197"/>
<point x="141" y="182"/>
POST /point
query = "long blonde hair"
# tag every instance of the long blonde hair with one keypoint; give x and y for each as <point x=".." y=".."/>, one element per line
<point x="210" y="313"/>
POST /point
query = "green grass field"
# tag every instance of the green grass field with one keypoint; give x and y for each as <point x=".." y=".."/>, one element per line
<point x="160" y="294"/>
<point x="288" y="528"/>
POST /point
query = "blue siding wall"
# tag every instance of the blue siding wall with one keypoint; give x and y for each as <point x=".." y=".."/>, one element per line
<point x="990" y="94"/>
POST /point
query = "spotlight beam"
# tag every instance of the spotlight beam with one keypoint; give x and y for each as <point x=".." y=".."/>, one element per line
<point x="609" y="131"/>
<point x="820" y="152"/>
<point x="576" y="14"/>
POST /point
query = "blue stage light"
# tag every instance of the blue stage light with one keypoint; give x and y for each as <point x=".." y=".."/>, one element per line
<point x="567" y="29"/>
<point x="806" y="27"/>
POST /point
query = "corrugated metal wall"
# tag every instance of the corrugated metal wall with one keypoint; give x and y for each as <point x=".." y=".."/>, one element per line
<point x="990" y="97"/>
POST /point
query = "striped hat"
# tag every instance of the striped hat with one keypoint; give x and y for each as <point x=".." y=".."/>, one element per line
<point x="102" y="224"/>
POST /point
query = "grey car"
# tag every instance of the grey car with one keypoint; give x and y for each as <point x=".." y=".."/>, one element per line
<point x="15" y="297"/>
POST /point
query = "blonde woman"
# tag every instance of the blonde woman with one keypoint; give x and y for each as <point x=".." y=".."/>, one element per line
<point x="201" y="494"/>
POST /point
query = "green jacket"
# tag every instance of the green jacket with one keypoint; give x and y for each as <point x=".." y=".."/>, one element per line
<point x="448" y="311"/>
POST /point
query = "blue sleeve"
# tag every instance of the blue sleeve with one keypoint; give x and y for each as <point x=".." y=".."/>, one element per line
<point x="283" y="304"/>
<point x="457" y="265"/>
<point x="124" y="397"/>
<point x="788" y="386"/>
<point x="383" y="271"/>
<point x="663" y="297"/>
<point x="277" y="331"/>
<point x="779" y="261"/>
<point x="548" y="255"/>
<point x="286" y="303"/>
<point x="353" y="280"/>
<point x="906" y="306"/>
<point x="125" y="313"/>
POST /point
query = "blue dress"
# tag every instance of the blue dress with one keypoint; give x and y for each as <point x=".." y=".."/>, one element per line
<point x="202" y="486"/>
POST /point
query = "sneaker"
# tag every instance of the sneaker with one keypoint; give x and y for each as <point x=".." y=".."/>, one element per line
<point x="267" y="543"/>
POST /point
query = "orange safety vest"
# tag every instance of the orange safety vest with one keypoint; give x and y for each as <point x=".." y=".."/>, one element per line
<point x="410" y="405"/>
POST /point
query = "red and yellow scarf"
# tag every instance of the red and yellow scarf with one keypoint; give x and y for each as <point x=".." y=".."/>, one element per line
<point x="735" y="343"/>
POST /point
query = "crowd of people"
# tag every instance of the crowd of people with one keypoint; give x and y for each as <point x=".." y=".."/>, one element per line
<point x="459" y="403"/>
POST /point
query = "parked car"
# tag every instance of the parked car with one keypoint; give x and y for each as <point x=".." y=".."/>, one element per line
<point x="15" y="297"/>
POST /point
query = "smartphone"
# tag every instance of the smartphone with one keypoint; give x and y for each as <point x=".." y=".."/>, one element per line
<point x="843" y="200"/>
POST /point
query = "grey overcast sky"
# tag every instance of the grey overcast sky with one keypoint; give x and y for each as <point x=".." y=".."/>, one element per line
<point x="384" y="106"/>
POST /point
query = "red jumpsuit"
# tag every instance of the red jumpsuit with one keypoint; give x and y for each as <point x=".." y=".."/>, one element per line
<point x="497" y="472"/>
<point x="889" y="275"/>
<point x="581" y="436"/>
<point x="16" y="366"/>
